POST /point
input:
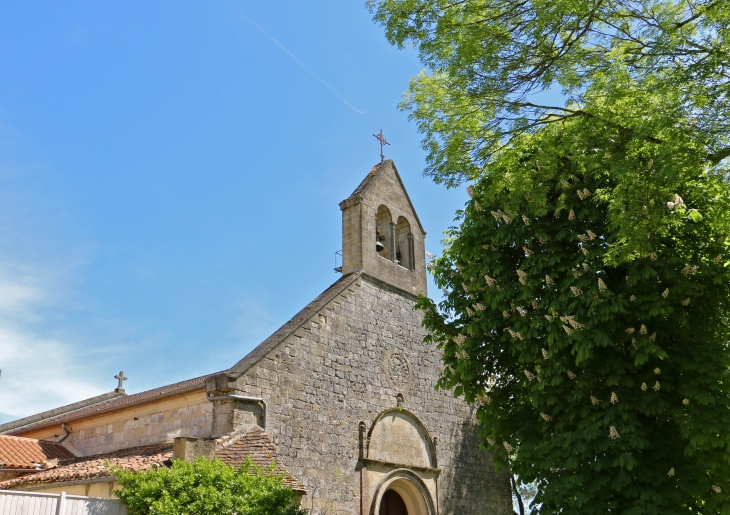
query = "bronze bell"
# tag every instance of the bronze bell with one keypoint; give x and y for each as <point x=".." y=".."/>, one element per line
<point x="379" y="247"/>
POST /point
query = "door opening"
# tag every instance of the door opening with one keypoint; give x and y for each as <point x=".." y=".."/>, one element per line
<point x="392" y="504"/>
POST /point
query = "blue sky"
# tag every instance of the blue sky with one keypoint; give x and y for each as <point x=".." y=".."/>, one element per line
<point x="170" y="174"/>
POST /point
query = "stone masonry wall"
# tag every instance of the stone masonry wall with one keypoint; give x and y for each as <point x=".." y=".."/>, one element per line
<point x="346" y="366"/>
<point x="157" y="422"/>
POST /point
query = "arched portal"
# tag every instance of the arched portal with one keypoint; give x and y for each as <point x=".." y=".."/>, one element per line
<point x="402" y="490"/>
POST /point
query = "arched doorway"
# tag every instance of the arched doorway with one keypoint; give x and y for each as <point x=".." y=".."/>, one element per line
<point x="402" y="493"/>
<point x="392" y="504"/>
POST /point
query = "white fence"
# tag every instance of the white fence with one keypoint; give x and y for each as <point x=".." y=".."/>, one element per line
<point x="13" y="502"/>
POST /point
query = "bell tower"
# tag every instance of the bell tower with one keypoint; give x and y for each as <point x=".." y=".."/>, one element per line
<point x="381" y="232"/>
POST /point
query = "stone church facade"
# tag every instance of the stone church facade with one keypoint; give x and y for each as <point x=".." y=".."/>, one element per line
<point x="342" y="395"/>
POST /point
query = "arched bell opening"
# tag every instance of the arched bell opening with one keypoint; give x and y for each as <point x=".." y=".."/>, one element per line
<point x="404" y="244"/>
<point x="384" y="233"/>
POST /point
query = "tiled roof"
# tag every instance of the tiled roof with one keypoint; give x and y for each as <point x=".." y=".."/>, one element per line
<point x="89" y="467"/>
<point x="292" y="325"/>
<point x="39" y="417"/>
<point x="234" y="448"/>
<point x="114" y="404"/>
<point x="28" y="453"/>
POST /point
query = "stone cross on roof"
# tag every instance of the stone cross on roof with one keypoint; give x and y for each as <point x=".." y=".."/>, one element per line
<point x="121" y="378"/>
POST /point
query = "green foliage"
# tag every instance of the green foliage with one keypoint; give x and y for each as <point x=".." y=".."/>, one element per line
<point x="604" y="381"/>
<point x="488" y="57"/>
<point x="209" y="487"/>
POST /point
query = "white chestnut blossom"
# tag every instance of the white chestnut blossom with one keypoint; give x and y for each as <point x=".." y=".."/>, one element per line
<point x="546" y="417"/>
<point x="594" y="400"/>
<point x="613" y="434"/>
<point x="507" y="446"/>
<point x="575" y="291"/>
<point x="665" y="293"/>
<point x="671" y="472"/>
<point x="522" y="275"/>
<point x="614" y="398"/>
<point x="548" y="280"/>
<point x="571" y="375"/>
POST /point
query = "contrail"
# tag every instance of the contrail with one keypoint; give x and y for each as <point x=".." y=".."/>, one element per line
<point x="298" y="61"/>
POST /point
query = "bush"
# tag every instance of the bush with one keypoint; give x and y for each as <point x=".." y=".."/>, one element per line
<point x="209" y="487"/>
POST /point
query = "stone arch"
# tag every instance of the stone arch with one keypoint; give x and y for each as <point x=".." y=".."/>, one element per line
<point x="411" y="489"/>
<point x="404" y="244"/>
<point x="384" y="232"/>
<point x="398" y="437"/>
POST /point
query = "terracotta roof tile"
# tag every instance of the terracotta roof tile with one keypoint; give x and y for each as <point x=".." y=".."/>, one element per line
<point x="28" y="453"/>
<point x="234" y="448"/>
<point x="88" y="467"/>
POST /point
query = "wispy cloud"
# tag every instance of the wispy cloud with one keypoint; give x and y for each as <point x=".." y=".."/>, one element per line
<point x="298" y="61"/>
<point x="39" y="372"/>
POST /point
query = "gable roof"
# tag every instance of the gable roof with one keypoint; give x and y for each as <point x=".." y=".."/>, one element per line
<point x="17" y="452"/>
<point x="292" y="325"/>
<point x="369" y="180"/>
<point x="89" y="467"/>
<point x="113" y="404"/>
<point x="56" y="412"/>
<point x="253" y="442"/>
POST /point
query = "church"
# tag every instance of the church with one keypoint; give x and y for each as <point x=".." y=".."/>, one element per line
<point x="341" y="397"/>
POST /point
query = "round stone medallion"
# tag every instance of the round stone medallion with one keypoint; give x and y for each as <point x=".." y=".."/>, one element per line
<point x="397" y="370"/>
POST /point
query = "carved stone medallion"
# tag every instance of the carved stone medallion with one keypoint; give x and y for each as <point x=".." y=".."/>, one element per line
<point x="397" y="370"/>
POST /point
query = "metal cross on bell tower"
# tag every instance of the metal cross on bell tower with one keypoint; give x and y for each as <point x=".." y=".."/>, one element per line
<point x="121" y="379"/>
<point x="383" y="142"/>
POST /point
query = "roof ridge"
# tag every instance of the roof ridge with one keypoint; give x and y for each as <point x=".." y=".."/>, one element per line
<point x="112" y="404"/>
<point x="61" y="410"/>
